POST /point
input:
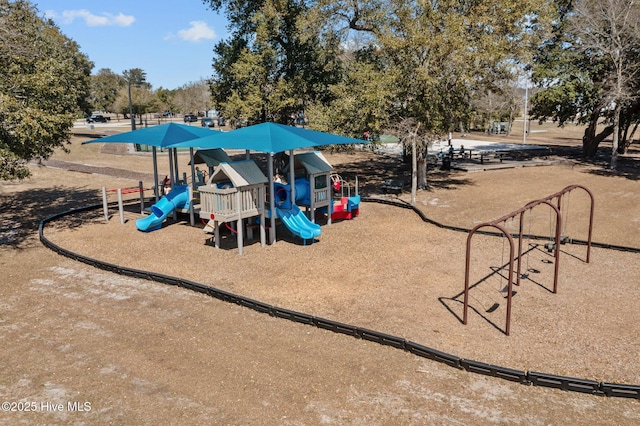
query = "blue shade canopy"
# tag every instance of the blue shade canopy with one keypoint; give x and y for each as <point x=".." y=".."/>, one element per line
<point x="269" y="137"/>
<point x="161" y="136"/>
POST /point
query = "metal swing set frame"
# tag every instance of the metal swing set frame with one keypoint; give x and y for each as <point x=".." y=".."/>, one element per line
<point x="499" y="224"/>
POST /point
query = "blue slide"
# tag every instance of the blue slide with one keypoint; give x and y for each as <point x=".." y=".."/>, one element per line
<point x="178" y="198"/>
<point x="298" y="223"/>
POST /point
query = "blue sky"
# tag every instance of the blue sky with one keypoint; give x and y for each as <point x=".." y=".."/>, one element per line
<point x="171" y="40"/>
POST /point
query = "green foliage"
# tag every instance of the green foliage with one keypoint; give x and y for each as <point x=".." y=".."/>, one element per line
<point x="427" y="61"/>
<point x="361" y="66"/>
<point x="571" y="83"/>
<point x="105" y="86"/>
<point x="361" y="102"/>
<point x="450" y="51"/>
<point x="274" y="64"/>
<point x="44" y="83"/>
<point x="590" y="70"/>
<point x="166" y="100"/>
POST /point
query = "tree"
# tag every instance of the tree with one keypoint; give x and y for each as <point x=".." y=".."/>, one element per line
<point x="274" y="64"/>
<point x="44" y="84"/>
<point x="138" y="91"/>
<point x="609" y="31"/>
<point x="502" y="104"/>
<point x="433" y="56"/>
<point x="588" y="71"/>
<point x="105" y="86"/>
<point x="445" y="53"/>
<point x="166" y="100"/>
<point x="143" y="100"/>
<point x="362" y="101"/>
<point x="193" y="97"/>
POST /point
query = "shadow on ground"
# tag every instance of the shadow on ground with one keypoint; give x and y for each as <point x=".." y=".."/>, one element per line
<point x="628" y="165"/>
<point x="22" y="212"/>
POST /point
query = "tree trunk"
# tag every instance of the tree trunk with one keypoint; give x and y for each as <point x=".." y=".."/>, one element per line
<point x="422" y="173"/>
<point x="414" y="171"/>
<point x="629" y="139"/>
<point x="511" y="119"/>
<point x="616" y="137"/>
<point x="589" y="144"/>
<point x="591" y="140"/>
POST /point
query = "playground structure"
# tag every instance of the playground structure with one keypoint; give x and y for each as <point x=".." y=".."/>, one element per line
<point x="313" y="188"/>
<point x="558" y="238"/>
<point x="210" y="157"/>
<point x="235" y="191"/>
<point x="268" y="137"/>
<point x="312" y="182"/>
<point x="349" y="205"/>
<point x="317" y="188"/>
<point x="288" y="211"/>
<point x="178" y="198"/>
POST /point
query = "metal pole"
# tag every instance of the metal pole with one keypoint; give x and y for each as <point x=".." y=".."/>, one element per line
<point x="105" y="204"/>
<point x="120" y="206"/>
<point x="503" y="230"/>
<point x="194" y="188"/>
<point x="133" y="121"/>
<point x="292" y="178"/>
<point x="155" y="173"/>
<point x="141" y="189"/>
<point x="272" y="200"/>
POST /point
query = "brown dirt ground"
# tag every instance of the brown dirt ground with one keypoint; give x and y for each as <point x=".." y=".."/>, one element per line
<point x="145" y="353"/>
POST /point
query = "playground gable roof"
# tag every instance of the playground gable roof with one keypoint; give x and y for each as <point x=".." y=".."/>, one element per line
<point x="270" y="137"/>
<point x="240" y="173"/>
<point x="212" y="157"/>
<point x="313" y="162"/>
<point x="160" y="136"/>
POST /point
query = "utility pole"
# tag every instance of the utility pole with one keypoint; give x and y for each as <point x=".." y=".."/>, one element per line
<point x="136" y="77"/>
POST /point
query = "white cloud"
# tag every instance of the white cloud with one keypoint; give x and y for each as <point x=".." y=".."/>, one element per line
<point x="105" y="19"/>
<point x="199" y="30"/>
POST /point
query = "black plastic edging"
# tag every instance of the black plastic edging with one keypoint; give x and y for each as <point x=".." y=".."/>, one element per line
<point x="255" y="305"/>
<point x="336" y="327"/>
<point x="292" y="315"/>
<point x="382" y="338"/>
<point x="494" y="371"/>
<point x="620" y="391"/>
<point x="565" y="383"/>
<point x="537" y="379"/>
<point x="433" y="354"/>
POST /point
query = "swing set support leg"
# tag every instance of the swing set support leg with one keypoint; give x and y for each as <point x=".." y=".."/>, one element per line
<point x="502" y="229"/>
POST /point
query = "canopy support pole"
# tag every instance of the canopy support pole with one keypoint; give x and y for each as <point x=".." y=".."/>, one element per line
<point x="172" y="174"/>
<point x="272" y="205"/>
<point x="292" y="177"/>
<point x="155" y="172"/>
<point x="175" y="164"/>
<point x="192" y="219"/>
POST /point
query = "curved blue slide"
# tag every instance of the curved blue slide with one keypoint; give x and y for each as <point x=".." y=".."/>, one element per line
<point x="177" y="198"/>
<point x="298" y="223"/>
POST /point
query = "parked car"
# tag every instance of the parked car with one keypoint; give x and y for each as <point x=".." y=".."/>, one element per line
<point x="98" y="119"/>
<point x="190" y="118"/>
<point x="207" y="122"/>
